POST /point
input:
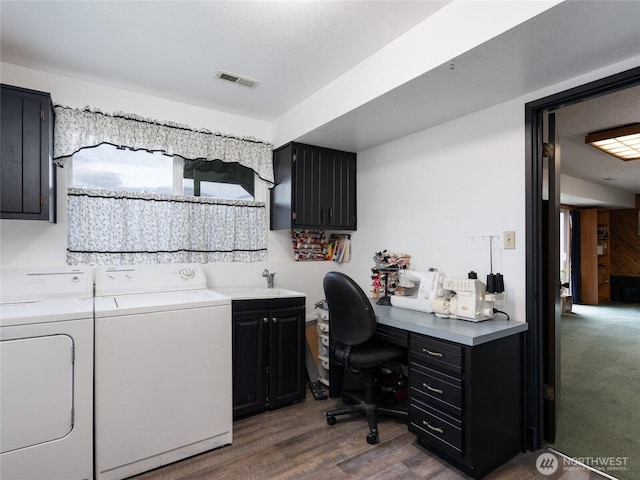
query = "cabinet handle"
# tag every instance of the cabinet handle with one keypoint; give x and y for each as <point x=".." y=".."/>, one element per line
<point x="435" y="354"/>
<point x="431" y="427"/>
<point x="265" y="320"/>
<point x="274" y="320"/>
<point x="436" y="390"/>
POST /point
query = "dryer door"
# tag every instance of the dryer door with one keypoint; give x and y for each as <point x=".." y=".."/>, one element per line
<point x="36" y="394"/>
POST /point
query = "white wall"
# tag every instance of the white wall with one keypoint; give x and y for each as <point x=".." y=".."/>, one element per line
<point x="42" y="244"/>
<point x="79" y="93"/>
<point x="433" y="193"/>
<point x="29" y="243"/>
<point x="575" y="191"/>
<point x="440" y="193"/>
<point x="426" y="194"/>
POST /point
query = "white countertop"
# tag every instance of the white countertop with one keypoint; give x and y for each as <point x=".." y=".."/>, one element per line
<point x="459" y="331"/>
<point x="255" y="293"/>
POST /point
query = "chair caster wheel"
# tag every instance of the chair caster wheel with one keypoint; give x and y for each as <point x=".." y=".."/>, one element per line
<point x="331" y="420"/>
<point x="372" y="438"/>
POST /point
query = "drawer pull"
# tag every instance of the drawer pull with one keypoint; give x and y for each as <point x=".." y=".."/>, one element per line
<point x="431" y="427"/>
<point x="434" y="354"/>
<point x="430" y="388"/>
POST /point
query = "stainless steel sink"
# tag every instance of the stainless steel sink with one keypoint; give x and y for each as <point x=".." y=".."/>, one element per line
<point x="246" y="293"/>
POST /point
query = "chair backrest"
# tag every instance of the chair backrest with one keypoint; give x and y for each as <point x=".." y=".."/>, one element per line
<point x="351" y="317"/>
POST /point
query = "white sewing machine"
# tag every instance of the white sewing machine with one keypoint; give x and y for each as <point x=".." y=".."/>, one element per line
<point x="418" y="286"/>
<point x="462" y="298"/>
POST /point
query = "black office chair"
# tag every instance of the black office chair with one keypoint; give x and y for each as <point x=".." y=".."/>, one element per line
<point x="352" y="326"/>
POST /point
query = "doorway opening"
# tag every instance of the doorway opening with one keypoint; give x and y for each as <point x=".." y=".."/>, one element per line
<point x="545" y="256"/>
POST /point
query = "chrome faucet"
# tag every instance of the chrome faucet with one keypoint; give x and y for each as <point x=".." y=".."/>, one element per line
<point x="269" y="277"/>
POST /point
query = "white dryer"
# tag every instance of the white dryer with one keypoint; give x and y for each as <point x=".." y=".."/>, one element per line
<point x="163" y="387"/>
<point x="46" y="378"/>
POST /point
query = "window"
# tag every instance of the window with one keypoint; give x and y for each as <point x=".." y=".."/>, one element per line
<point x="145" y="221"/>
<point x="110" y="168"/>
<point x="203" y="178"/>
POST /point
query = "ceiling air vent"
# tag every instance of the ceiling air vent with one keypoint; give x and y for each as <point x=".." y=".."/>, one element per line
<point x="232" y="77"/>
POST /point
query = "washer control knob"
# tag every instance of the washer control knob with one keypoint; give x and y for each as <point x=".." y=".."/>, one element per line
<point x="187" y="273"/>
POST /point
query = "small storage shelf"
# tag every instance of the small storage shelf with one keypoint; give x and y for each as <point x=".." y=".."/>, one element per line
<point x="323" y="346"/>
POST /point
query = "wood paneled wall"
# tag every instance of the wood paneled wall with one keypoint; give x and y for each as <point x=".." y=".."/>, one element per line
<point x="625" y="242"/>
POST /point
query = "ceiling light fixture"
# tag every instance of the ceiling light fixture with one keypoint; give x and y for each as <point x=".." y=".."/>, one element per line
<point x="621" y="142"/>
<point x="232" y="77"/>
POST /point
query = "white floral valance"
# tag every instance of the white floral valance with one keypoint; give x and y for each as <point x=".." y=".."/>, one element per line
<point x="118" y="228"/>
<point x="76" y="129"/>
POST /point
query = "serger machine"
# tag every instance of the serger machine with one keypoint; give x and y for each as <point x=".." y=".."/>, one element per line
<point x="433" y="292"/>
<point x="462" y="298"/>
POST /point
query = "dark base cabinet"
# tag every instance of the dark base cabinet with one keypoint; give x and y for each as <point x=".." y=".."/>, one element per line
<point x="465" y="403"/>
<point x="268" y="354"/>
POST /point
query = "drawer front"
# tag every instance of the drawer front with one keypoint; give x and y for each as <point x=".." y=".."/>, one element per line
<point x="393" y="335"/>
<point x="436" y="388"/>
<point x="437" y="353"/>
<point x="436" y="428"/>
<point x="323" y="327"/>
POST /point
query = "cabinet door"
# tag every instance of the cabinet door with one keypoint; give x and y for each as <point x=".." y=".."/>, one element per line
<point x="338" y="190"/>
<point x="306" y="187"/>
<point x="286" y="358"/>
<point x="282" y="208"/>
<point x="249" y="362"/>
<point x="26" y="175"/>
<point x="324" y="188"/>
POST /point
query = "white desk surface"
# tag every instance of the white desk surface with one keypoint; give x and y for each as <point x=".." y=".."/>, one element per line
<point x="459" y="331"/>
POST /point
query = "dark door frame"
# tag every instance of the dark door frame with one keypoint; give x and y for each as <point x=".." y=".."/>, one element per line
<point x="535" y="279"/>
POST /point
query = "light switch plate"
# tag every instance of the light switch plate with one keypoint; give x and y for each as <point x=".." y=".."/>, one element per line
<point x="509" y="240"/>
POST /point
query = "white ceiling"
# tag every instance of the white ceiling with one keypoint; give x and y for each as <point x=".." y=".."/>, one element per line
<point x="173" y="49"/>
<point x="583" y="161"/>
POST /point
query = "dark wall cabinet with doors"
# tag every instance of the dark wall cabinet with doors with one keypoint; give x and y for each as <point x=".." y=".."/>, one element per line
<point x="315" y="187"/>
<point x="268" y="354"/>
<point x="27" y="174"/>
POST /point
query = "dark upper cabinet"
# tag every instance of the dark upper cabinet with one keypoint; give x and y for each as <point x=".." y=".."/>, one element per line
<point x="27" y="175"/>
<point x="315" y="187"/>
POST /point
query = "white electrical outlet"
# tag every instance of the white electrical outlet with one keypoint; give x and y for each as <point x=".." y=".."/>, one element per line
<point x="509" y="240"/>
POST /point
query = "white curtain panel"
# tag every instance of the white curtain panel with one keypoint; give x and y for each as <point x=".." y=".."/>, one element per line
<point x="117" y="228"/>
<point x="75" y="129"/>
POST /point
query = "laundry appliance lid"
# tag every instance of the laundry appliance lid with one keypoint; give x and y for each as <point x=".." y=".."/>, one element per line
<point x="48" y="311"/>
<point x="156" y="302"/>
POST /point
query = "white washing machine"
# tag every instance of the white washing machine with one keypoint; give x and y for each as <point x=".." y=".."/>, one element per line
<point x="163" y="387"/>
<point x="46" y="378"/>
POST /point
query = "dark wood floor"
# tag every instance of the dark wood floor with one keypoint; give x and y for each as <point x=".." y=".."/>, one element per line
<point x="296" y="443"/>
